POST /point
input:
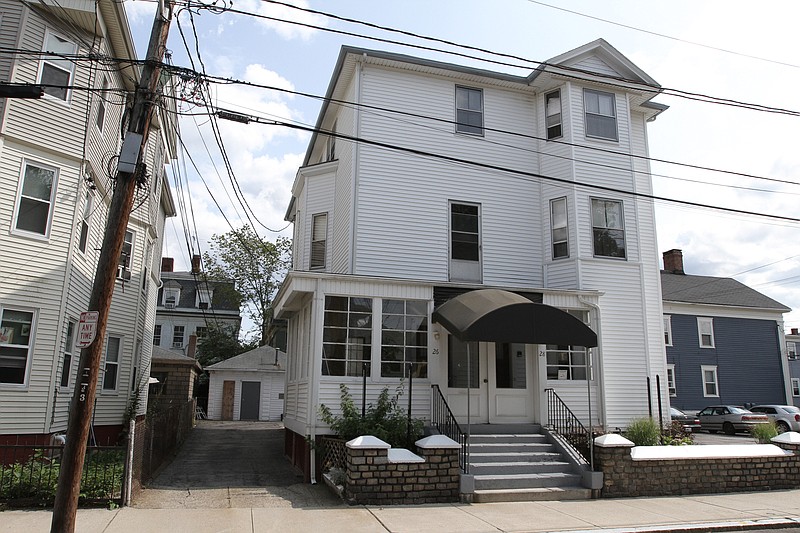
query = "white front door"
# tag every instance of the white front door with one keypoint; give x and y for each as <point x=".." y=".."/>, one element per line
<point x="501" y="382"/>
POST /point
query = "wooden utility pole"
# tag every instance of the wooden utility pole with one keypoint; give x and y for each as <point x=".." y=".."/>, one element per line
<point x="80" y="416"/>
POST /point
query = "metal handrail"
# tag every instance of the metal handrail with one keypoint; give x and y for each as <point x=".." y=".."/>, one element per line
<point x="445" y="422"/>
<point x="562" y="421"/>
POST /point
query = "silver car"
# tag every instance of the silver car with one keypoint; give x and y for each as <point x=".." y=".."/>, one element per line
<point x="729" y="418"/>
<point x="786" y="417"/>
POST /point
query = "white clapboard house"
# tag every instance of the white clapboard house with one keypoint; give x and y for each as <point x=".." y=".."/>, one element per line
<point x="57" y="159"/>
<point x="428" y="181"/>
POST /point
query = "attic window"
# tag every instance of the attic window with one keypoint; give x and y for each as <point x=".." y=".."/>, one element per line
<point x="171" y="297"/>
<point x="204" y="298"/>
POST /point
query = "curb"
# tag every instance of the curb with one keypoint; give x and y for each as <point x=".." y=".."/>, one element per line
<point x="734" y="525"/>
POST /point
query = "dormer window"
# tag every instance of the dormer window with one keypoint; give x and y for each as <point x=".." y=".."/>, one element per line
<point x="204" y="298"/>
<point x="171" y="297"/>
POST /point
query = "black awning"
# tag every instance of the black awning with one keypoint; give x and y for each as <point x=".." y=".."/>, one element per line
<point x="493" y="315"/>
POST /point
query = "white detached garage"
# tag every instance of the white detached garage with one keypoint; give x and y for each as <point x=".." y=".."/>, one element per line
<point x="248" y="387"/>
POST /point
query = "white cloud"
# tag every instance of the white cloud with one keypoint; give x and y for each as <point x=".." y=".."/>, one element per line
<point x="288" y="30"/>
<point x="140" y="11"/>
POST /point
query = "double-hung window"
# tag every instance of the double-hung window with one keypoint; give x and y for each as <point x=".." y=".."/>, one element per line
<point x="204" y="298"/>
<point x="111" y="373"/>
<point x="157" y="335"/>
<point x="608" y="228"/>
<point x="124" y="268"/>
<point x="601" y="114"/>
<point x="16" y="333"/>
<point x="85" y="225"/>
<point x="35" y="202"/>
<point x="710" y="384"/>
<point x="178" y="333"/>
<point x="795" y="387"/>
<point x="552" y="105"/>
<point x="56" y="70"/>
<point x="558" y="222"/>
<point x="668" y="330"/>
<point x="791" y="350"/>
<point x="469" y="110"/>
<point x="465" y="242"/>
<point x="346" y="336"/>
<point x="172" y="295"/>
<point x="404" y="338"/>
<point x="705" y="331"/>
<point x="100" y="120"/>
<point x="69" y="348"/>
<point x="673" y="389"/>
<point x="319" y="239"/>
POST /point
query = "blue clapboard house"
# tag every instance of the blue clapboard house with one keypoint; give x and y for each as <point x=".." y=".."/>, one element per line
<point x="724" y="341"/>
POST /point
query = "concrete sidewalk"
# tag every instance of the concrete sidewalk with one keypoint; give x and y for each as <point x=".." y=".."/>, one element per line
<point x="721" y="512"/>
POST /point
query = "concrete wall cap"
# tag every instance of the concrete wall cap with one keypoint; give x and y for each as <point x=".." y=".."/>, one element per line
<point x="368" y="442"/>
<point x="401" y="455"/>
<point x="613" y="440"/>
<point x="790" y="437"/>
<point x="437" y="441"/>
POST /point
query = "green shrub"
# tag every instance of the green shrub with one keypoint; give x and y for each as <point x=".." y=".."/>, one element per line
<point x="763" y="433"/>
<point x="386" y="419"/>
<point x="675" y="435"/>
<point x="644" y="432"/>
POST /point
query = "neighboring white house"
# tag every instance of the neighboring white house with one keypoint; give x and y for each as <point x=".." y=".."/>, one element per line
<point x="467" y="179"/>
<point x="188" y="303"/>
<point x="57" y="158"/>
<point x="249" y="386"/>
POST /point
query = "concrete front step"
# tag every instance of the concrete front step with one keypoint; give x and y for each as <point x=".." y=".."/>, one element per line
<point x="510" y="437"/>
<point x="519" y="467"/>
<point x="510" y="446"/>
<point x="526" y="481"/>
<point x="532" y="495"/>
<point x="504" y="457"/>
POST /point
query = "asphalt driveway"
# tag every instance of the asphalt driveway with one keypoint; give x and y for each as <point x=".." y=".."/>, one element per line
<point x="232" y="465"/>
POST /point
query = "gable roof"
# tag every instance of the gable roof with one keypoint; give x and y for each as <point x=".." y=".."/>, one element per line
<point x="714" y="291"/>
<point x="259" y="359"/>
<point x="172" y="357"/>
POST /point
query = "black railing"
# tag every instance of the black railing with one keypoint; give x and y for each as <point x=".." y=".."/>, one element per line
<point x="562" y="421"/>
<point x="29" y="474"/>
<point x="443" y="420"/>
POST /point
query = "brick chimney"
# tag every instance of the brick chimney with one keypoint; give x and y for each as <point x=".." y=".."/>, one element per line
<point x="167" y="264"/>
<point x="673" y="261"/>
<point x="195" y="264"/>
<point x="794" y="331"/>
<point x="191" y="346"/>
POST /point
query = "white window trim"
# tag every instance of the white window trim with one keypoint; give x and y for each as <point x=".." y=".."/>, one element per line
<point x="672" y="385"/>
<point x="668" y="330"/>
<point x="703" y="370"/>
<point x="705" y="320"/>
<point x="74" y="350"/>
<point x="31" y="342"/>
<point x="170" y="290"/>
<point x="129" y="269"/>
<point x="102" y="105"/>
<point x="53" y="188"/>
<point x="174" y="344"/>
<point x="615" y="116"/>
<point x="623" y="228"/>
<point x="791" y="350"/>
<point x="199" y="299"/>
<point x="324" y="240"/>
<point x="86" y="218"/>
<point x="70" y="81"/>
<point x="547" y="115"/>
<point x="796" y="387"/>
<point x="160" y="333"/>
<point x="106" y="362"/>
<point x="483" y="114"/>
<point x="553" y="227"/>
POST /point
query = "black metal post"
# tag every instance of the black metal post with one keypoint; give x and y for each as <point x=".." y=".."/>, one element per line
<point x="658" y="391"/>
<point x="649" y="399"/>
<point x="408" y="423"/>
<point x="364" y="390"/>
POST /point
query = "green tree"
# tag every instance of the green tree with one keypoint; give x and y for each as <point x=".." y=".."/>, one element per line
<point x="218" y="343"/>
<point x="256" y="266"/>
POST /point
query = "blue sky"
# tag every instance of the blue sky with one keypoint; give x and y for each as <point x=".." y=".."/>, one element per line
<point x="265" y="158"/>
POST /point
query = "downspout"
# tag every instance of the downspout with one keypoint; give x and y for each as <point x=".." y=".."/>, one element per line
<point x="601" y="408"/>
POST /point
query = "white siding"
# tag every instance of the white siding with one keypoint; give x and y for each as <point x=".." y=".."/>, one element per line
<point x="272" y="388"/>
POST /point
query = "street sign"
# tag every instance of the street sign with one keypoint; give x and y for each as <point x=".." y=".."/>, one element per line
<point x="87" y="328"/>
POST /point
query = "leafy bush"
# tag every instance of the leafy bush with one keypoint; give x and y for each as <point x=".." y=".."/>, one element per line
<point x="675" y="435"/>
<point x="763" y="433"/>
<point x="386" y="419"/>
<point x="644" y="432"/>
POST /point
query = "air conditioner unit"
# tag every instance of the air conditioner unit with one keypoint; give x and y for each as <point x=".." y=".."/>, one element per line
<point x="177" y="345"/>
<point x="169" y="305"/>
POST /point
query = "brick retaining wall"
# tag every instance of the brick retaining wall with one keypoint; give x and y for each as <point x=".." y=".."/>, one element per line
<point x="373" y="478"/>
<point x="624" y="476"/>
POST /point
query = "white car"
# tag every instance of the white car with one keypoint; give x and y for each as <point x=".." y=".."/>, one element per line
<point x="786" y="417"/>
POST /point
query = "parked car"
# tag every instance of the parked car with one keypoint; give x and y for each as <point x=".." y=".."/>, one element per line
<point x="729" y="418"/>
<point x="786" y="417"/>
<point x="688" y="422"/>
